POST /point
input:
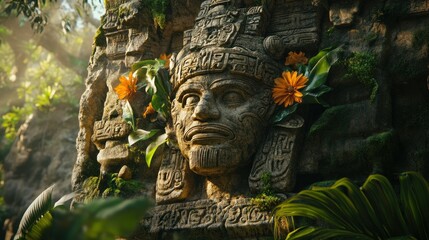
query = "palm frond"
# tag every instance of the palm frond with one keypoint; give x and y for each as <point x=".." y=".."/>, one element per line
<point x="37" y="209"/>
<point x="414" y="198"/>
<point x="371" y="212"/>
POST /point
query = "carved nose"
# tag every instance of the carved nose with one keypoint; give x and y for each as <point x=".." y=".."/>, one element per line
<point x="206" y="110"/>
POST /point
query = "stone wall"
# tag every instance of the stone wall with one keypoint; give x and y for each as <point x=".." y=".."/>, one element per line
<point x="376" y="122"/>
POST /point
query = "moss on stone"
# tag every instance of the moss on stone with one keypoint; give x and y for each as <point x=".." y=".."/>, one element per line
<point x="376" y="152"/>
<point x="329" y="122"/>
<point x="402" y="67"/>
<point x="266" y="200"/>
<point x="362" y="66"/>
<point x="421" y="38"/>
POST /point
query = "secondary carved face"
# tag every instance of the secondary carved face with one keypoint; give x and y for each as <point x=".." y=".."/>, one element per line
<point x="218" y="120"/>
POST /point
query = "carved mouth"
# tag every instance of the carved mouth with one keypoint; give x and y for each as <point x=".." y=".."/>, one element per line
<point x="208" y="134"/>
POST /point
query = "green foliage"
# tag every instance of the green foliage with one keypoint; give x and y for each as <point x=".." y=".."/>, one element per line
<point x="317" y="72"/>
<point x="7" y="69"/>
<point x="152" y="76"/>
<point x="104" y="219"/>
<point x="362" y="66"/>
<point x="266" y="200"/>
<point x="158" y="9"/>
<point x="118" y="187"/>
<point x="373" y="211"/>
<point x="12" y="120"/>
<point x="31" y="9"/>
<point x="46" y="85"/>
<point x="35" y="213"/>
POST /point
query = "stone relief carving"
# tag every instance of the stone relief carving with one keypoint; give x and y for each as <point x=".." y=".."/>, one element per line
<point x="222" y="80"/>
<point x="221" y="137"/>
<point x="297" y="23"/>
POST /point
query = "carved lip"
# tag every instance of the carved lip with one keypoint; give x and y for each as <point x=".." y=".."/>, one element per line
<point x="208" y="134"/>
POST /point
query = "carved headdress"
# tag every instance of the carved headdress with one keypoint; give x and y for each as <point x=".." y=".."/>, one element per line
<point x="227" y="38"/>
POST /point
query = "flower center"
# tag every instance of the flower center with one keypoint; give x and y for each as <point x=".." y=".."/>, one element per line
<point x="290" y="89"/>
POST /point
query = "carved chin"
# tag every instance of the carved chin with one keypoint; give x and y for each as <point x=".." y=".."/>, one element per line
<point x="212" y="161"/>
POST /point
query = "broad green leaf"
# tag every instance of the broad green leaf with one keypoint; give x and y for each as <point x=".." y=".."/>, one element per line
<point x="414" y="197"/>
<point x="39" y="207"/>
<point x="302" y="69"/>
<point x="128" y="115"/>
<point x="151" y="149"/>
<point x="140" y="64"/>
<point x="312" y="61"/>
<point x="282" y="114"/>
<point x="119" y="219"/>
<point x="161" y="105"/>
<point x="140" y="135"/>
<point x="319" y="72"/>
<point x="313" y="96"/>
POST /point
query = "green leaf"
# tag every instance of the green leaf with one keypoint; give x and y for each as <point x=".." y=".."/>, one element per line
<point x="282" y="114"/>
<point x="312" y="61"/>
<point x="314" y="95"/>
<point x="151" y="149"/>
<point x="319" y="72"/>
<point x="37" y="209"/>
<point x="117" y="218"/>
<point x="140" y="64"/>
<point x="128" y="115"/>
<point x="414" y="198"/>
<point x="140" y="135"/>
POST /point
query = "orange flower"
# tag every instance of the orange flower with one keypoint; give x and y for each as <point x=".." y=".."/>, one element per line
<point x="294" y="58"/>
<point x="285" y="91"/>
<point x="127" y="87"/>
<point x="166" y="58"/>
<point x="149" y="110"/>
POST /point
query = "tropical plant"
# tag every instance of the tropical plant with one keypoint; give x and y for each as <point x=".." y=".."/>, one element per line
<point x="105" y="219"/>
<point x="303" y="81"/>
<point x="151" y="77"/>
<point x="344" y="211"/>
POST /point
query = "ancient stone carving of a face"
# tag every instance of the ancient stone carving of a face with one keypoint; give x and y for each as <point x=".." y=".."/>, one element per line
<point x="219" y="120"/>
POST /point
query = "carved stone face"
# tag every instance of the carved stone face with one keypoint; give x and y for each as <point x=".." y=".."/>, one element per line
<point x="219" y="120"/>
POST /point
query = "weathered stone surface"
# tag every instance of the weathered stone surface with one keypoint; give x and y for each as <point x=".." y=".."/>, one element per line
<point x="207" y="219"/>
<point x="342" y="13"/>
<point x="277" y="157"/>
<point x="41" y="156"/>
<point x="372" y="125"/>
<point x="297" y="23"/>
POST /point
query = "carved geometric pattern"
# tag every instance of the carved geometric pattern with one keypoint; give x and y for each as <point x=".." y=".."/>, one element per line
<point x="237" y="218"/>
<point x="174" y="178"/>
<point x="276" y="157"/>
<point x="297" y="22"/>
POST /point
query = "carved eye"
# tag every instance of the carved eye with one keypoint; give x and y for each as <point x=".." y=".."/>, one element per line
<point x="190" y="100"/>
<point x="233" y="98"/>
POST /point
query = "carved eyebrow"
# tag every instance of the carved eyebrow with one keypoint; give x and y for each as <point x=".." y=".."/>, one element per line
<point x="196" y="88"/>
<point x="227" y="83"/>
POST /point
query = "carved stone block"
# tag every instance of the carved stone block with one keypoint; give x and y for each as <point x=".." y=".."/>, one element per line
<point x="174" y="179"/>
<point x="297" y="23"/>
<point x="277" y="157"/>
<point x="207" y="219"/>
